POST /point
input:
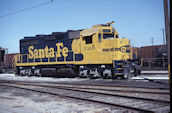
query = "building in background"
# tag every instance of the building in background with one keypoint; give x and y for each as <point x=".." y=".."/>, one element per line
<point x="6" y="61"/>
<point x="9" y="62"/>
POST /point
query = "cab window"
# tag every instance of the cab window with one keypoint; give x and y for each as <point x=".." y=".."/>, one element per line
<point x="100" y="39"/>
<point x="117" y="36"/>
<point x="88" y="39"/>
<point x="108" y="36"/>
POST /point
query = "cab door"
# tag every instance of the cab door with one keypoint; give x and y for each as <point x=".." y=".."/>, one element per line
<point x="88" y="48"/>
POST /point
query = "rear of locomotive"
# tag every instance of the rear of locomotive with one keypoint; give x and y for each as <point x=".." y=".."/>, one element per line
<point x="46" y="55"/>
<point x="105" y="54"/>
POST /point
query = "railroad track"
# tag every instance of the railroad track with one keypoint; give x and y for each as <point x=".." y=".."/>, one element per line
<point x="87" y="84"/>
<point x="105" y="96"/>
<point x="129" y="89"/>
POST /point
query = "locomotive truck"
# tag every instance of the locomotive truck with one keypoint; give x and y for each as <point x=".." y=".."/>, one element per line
<point x="94" y="52"/>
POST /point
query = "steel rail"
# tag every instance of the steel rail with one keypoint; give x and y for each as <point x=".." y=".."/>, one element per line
<point x="84" y="99"/>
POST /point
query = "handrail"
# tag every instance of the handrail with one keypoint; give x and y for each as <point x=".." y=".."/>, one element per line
<point x="19" y="58"/>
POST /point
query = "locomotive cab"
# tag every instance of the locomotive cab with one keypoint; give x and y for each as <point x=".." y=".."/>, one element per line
<point x="104" y="51"/>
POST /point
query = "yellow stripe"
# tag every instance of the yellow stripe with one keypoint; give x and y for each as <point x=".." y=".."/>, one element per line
<point x="119" y="69"/>
<point x="43" y="63"/>
<point x="119" y="74"/>
<point x="120" y="63"/>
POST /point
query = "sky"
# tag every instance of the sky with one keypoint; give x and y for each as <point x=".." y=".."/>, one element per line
<point x="137" y="20"/>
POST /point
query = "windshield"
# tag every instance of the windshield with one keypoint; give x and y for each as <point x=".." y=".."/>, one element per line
<point x="108" y="36"/>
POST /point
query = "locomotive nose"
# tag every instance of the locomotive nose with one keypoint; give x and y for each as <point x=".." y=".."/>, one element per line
<point x="124" y="49"/>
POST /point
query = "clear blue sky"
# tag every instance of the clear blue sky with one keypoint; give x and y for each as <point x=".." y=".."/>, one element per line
<point x="138" y="20"/>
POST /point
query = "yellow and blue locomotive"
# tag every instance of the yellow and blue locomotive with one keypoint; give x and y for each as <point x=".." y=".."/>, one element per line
<point x="95" y="52"/>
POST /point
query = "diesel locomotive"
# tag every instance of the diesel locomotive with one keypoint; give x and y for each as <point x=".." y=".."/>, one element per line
<point x="94" y="52"/>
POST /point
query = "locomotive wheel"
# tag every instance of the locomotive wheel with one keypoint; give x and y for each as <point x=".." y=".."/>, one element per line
<point x="90" y="76"/>
<point x="125" y="76"/>
<point x="40" y="75"/>
<point x="114" y="77"/>
<point x="126" y="73"/>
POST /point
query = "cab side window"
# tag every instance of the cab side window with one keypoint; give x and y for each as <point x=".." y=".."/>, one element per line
<point x="100" y="39"/>
<point x="88" y="39"/>
<point x="117" y="36"/>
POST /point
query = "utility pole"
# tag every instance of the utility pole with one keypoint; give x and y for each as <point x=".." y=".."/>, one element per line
<point x="152" y="40"/>
<point x="167" y="27"/>
<point x="163" y="36"/>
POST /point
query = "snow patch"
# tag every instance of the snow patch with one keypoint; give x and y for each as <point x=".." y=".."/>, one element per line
<point x="155" y="72"/>
<point x="50" y="79"/>
<point x="157" y="77"/>
<point x="33" y="78"/>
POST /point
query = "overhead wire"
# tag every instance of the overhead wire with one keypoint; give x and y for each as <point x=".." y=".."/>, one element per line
<point x="22" y="10"/>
